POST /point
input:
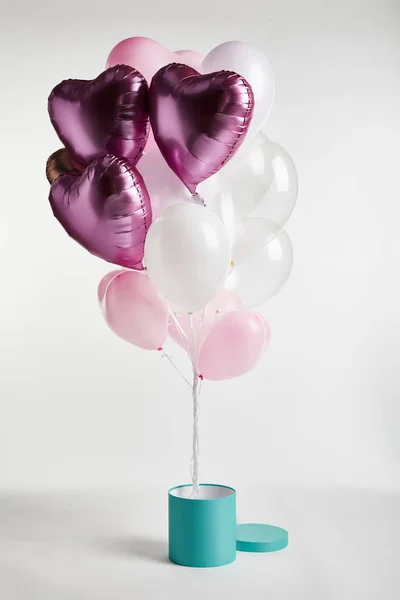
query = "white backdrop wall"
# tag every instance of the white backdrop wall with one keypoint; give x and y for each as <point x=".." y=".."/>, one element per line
<point x="79" y="407"/>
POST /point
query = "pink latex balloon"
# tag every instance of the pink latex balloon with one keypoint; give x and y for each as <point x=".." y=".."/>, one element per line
<point x="198" y="121"/>
<point x="148" y="56"/>
<point x="233" y="345"/>
<point x="106" y="209"/>
<point x="134" y="310"/>
<point x="224" y="301"/>
<point x="106" y="114"/>
<point x="190" y="57"/>
<point x="103" y="285"/>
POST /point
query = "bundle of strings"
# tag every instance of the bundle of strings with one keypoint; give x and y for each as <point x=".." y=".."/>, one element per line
<point x="192" y="350"/>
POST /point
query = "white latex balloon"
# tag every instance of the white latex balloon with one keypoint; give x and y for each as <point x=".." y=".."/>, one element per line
<point x="164" y="187"/>
<point x="253" y="65"/>
<point x="262" y="276"/>
<point x="187" y="255"/>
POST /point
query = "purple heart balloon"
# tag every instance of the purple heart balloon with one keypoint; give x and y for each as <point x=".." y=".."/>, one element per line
<point x="106" y="209"/>
<point x="199" y="121"/>
<point x="107" y="114"/>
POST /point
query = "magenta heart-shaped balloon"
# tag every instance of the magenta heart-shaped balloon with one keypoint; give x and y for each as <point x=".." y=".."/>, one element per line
<point x="106" y="209"/>
<point x="199" y="121"/>
<point x="106" y="114"/>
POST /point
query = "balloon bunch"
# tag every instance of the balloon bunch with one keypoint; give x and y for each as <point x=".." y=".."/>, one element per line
<point x="165" y="172"/>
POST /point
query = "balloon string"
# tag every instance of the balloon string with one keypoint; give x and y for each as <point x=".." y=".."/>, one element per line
<point x="169" y="359"/>
<point x="196" y="388"/>
<point x="182" y="333"/>
<point x="195" y="396"/>
<point x="202" y="318"/>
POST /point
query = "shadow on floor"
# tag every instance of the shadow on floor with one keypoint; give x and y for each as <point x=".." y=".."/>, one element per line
<point x="139" y="546"/>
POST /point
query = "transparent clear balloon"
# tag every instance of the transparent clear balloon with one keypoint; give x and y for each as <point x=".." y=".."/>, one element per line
<point x="264" y="273"/>
<point x="251" y="235"/>
<point x="261" y="183"/>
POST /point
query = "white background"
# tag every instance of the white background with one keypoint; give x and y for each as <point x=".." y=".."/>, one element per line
<point x="79" y="407"/>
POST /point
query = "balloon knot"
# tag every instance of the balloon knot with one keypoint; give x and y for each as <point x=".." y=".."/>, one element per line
<point x="197" y="199"/>
<point x="159" y="349"/>
<point x="232" y="263"/>
<point x="201" y="377"/>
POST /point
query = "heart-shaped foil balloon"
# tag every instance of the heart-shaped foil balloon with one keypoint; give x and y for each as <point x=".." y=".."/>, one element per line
<point x="60" y="163"/>
<point x="106" y="208"/>
<point x="199" y="121"/>
<point x="107" y="114"/>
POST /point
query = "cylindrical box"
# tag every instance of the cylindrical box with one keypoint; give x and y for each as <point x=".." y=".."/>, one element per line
<point x="202" y="531"/>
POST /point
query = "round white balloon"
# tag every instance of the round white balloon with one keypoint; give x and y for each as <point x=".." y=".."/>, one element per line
<point x="187" y="255"/>
<point x="262" y="276"/>
<point x="248" y="61"/>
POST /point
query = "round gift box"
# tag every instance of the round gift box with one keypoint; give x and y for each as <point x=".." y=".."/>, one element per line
<point x="202" y="531"/>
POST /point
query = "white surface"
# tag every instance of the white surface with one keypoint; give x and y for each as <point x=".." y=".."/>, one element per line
<point x="343" y="545"/>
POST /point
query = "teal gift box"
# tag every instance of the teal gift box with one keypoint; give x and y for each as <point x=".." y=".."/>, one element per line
<point x="202" y="531"/>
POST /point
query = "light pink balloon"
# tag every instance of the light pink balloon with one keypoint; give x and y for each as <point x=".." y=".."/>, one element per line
<point x="134" y="310"/>
<point x="103" y="285"/>
<point x="223" y="302"/>
<point x="148" y="56"/>
<point x="233" y="345"/>
<point x="190" y="57"/>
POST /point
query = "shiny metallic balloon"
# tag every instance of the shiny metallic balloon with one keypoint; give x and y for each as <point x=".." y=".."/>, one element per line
<point x="254" y="66"/>
<point x="106" y="208"/>
<point x="59" y="163"/>
<point x="106" y="114"/>
<point x="199" y="121"/>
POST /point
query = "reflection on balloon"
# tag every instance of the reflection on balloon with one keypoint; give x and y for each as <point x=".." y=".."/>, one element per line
<point x="280" y="172"/>
<point x="104" y="283"/>
<point x="260" y="277"/>
<point x="59" y="163"/>
<point x="251" y="235"/>
<point x="261" y="183"/>
<point x="187" y="254"/>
